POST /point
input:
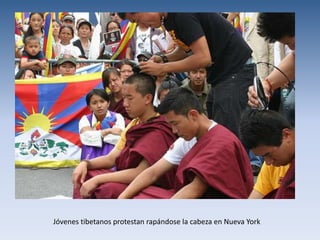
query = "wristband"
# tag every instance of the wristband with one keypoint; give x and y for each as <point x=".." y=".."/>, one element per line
<point x="163" y="57"/>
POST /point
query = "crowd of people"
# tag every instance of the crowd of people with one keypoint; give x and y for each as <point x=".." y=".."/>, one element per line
<point x="154" y="134"/>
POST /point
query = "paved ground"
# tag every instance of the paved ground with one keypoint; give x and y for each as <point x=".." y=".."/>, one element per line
<point x="43" y="183"/>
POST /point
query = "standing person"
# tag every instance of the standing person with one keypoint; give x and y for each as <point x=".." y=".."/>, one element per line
<point x="100" y="130"/>
<point x="211" y="161"/>
<point x="35" y="28"/>
<point x="206" y="40"/>
<point x="84" y="29"/>
<point x="268" y="134"/>
<point x="65" y="45"/>
<point x="141" y="41"/>
<point x="142" y="143"/>
<point x="55" y="31"/>
<point x="70" y="20"/>
<point x="106" y="51"/>
<point x="197" y="82"/>
<point x="278" y="27"/>
<point x="126" y="68"/>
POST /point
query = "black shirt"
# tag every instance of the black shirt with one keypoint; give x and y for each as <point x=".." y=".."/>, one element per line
<point x="228" y="49"/>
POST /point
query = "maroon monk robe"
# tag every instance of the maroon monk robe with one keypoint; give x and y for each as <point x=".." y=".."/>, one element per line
<point x="148" y="141"/>
<point x="119" y="108"/>
<point x="220" y="160"/>
<point x="287" y="187"/>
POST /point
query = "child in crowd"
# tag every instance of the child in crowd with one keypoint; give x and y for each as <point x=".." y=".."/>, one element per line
<point x="32" y="55"/>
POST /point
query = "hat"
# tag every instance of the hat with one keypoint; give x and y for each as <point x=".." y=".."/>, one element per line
<point x="68" y="17"/>
<point x="62" y="60"/>
<point x="144" y="56"/>
<point x="83" y="21"/>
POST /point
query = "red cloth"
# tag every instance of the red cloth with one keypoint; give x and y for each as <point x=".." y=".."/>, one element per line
<point x="119" y="108"/>
<point x="153" y="192"/>
<point x="220" y="160"/>
<point x="90" y="174"/>
<point x="287" y="187"/>
<point x="148" y="141"/>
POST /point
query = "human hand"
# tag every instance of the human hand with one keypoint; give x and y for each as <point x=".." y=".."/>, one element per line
<point x="42" y="64"/>
<point x="88" y="187"/>
<point x="252" y="97"/>
<point x="152" y="68"/>
<point x="253" y="100"/>
<point x="156" y="59"/>
<point x="79" y="174"/>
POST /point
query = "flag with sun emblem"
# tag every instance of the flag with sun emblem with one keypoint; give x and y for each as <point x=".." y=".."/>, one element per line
<point x="47" y="112"/>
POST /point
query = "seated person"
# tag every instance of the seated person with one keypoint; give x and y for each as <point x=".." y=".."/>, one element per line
<point x="142" y="143"/>
<point x="268" y="134"/>
<point x="211" y="161"/>
<point x="269" y="179"/>
<point x="100" y="130"/>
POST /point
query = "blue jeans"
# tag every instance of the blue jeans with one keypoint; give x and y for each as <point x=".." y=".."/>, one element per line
<point x="228" y="98"/>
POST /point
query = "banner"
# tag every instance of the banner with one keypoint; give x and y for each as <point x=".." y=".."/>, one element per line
<point x="47" y="112"/>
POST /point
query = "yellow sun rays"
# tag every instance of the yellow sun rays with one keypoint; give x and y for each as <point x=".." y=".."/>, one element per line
<point x="33" y="120"/>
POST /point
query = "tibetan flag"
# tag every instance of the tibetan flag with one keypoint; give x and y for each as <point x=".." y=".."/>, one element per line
<point x="125" y="39"/>
<point x="48" y="39"/>
<point x="47" y="113"/>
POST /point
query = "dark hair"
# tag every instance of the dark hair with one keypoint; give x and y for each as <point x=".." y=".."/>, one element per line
<point x="122" y="15"/>
<point x="67" y="26"/>
<point x="112" y="21"/>
<point x="125" y="61"/>
<point x="97" y="91"/>
<point x="167" y="85"/>
<point x="29" y="31"/>
<point x="22" y="72"/>
<point x="145" y="84"/>
<point x="262" y="128"/>
<point x="106" y="75"/>
<point x="31" y="38"/>
<point x="274" y="26"/>
<point x="180" y="101"/>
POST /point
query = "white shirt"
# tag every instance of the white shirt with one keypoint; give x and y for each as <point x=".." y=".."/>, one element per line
<point x="69" y="49"/>
<point x="180" y="148"/>
<point x="93" y="138"/>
